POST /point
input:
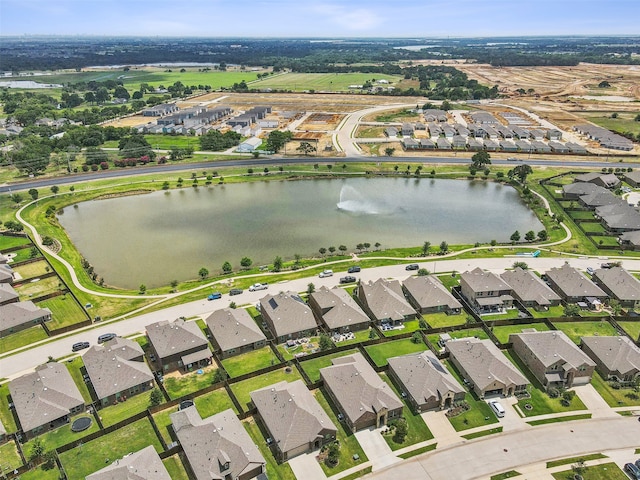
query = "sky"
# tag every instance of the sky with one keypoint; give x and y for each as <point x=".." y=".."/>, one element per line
<point x="320" y="18"/>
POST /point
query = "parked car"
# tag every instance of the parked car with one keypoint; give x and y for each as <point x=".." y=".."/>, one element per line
<point x="590" y="270"/>
<point x="79" y="346"/>
<point x="105" y="337"/>
<point x="606" y="265"/>
<point x="512" y="159"/>
<point x="497" y="408"/>
<point x="258" y="286"/>
<point x="326" y="273"/>
<point x="632" y="470"/>
<point x="235" y="291"/>
<point x="214" y="296"/>
<point x="354" y="269"/>
<point x="412" y="266"/>
<point x="347" y="279"/>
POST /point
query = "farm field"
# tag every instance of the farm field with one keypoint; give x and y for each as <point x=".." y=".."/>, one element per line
<point x="328" y="82"/>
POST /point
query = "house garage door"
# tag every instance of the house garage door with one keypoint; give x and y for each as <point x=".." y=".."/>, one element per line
<point x="497" y="391"/>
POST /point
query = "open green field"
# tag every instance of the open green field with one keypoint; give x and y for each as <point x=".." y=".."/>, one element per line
<point x="178" y="385"/>
<point x="328" y="82"/>
<point x="243" y="389"/>
<point x="607" y="471"/>
<point x="632" y="328"/>
<point x="274" y="471"/>
<point x="64" y="310"/>
<point x="575" y="330"/>
<point x="22" y="338"/>
<point x="312" y="367"/>
<point x="10" y="456"/>
<point x="116" y="413"/>
<point x="503" y="332"/>
<point x="624" y="123"/>
<point x="154" y="77"/>
<point x="439" y="320"/>
<point x="38" y="288"/>
<point x="96" y="454"/>
<point x="381" y="352"/>
<point x="614" y="398"/>
<point x="249" y="362"/>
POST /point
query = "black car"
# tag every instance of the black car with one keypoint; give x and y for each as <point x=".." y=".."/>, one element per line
<point x="105" y="337"/>
<point x="354" y="269"/>
<point x="347" y="279"/>
<point x="79" y="346"/>
<point x="412" y="266"/>
<point x="632" y="470"/>
<point x="235" y="291"/>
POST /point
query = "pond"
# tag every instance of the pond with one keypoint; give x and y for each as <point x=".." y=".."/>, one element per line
<point x="166" y="235"/>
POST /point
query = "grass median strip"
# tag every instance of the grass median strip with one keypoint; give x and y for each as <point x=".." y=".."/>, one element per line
<point x="418" y="451"/>
<point x="567" y="418"/>
<point x="584" y="458"/>
<point x="482" y="433"/>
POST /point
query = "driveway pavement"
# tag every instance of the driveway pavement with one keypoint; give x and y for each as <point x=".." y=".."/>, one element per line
<point x="594" y="402"/>
<point x="306" y="467"/>
<point x="511" y="420"/>
<point x="441" y="428"/>
<point x="376" y="448"/>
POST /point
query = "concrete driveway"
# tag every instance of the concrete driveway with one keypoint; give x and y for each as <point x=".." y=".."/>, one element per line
<point x="376" y="448"/>
<point x="594" y="402"/>
<point x="441" y="428"/>
<point x="511" y="420"/>
<point x="306" y="467"/>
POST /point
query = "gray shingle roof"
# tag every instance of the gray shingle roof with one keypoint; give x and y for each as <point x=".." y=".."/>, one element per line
<point x="233" y="328"/>
<point x="423" y="376"/>
<point x="484" y="362"/>
<point x="481" y="281"/>
<point x="573" y="283"/>
<point x="144" y="464"/>
<point x="385" y="299"/>
<point x="16" y="314"/>
<point x="428" y="291"/>
<point x="292" y="414"/>
<point x="343" y="310"/>
<point x="551" y="346"/>
<point x="211" y="442"/>
<point x="44" y="395"/>
<point x="288" y="312"/>
<point x="528" y="287"/>
<point x="582" y="188"/>
<point x="7" y="294"/>
<point x="618" y="354"/>
<point x="170" y="338"/>
<point x="111" y="368"/>
<point x="623" y="285"/>
<point x="358" y="388"/>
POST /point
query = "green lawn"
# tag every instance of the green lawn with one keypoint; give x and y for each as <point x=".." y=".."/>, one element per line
<point x="115" y="413"/>
<point x="381" y="352"/>
<point x="333" y="82"/>
<point x="175" y="468"/>
<point x="605" y="241"/>
<point x="22" y="338"/>
<point x="632" y="328"/>
<point x="607" y="471"/>
<point x="349" y="445"/>
<point x="505" y="475"/>
<point x="30" y="290"/>
<point x="249" y="362"/>
<point x="74" y="367"/>
<point x="312" y="367"/>
<point x="469" y="332"/>
<point x="510" y="314"/>
<point x="418" y="451"/>
<point x="581" y="215"/>
<point x="184" y="384"/>
<point x="566" y="461"/>
<point x="553" y="312"/>
<point x="10" y="242"/>
<point x="33" y="270"/>
<point x="96" y="454"/>
<point x="9" y="456"/>
<point x="242" y="389"/>
<point x="417" y="430"/>
<point x="6" y="416"/>
<point x="568" y="418"/>
<point x="503" y="332"/>
<point x="613" y="397"/>
<point x="575" y="330"/>
<point x="439" y="320"/>
<point x="360" y="336"/>
<point x="64" y="310"/>
<point x="591" y="227"/>
<point x="214" y="402"/>
<point x="409" y="327"/>
<point x="63" y="435"/>
<point x="163" y="421"/>
<point x="23" y="254"/>
<point x="274" y="471"/>
<point x="482" y="433"/>
<point x="41" y="474"/>
<point x="289" y="353"/>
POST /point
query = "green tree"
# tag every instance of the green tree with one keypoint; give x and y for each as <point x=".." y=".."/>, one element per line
<point x="155" y="397"/>
<point x="333" y="454"/>
<point x="277" y="140"/>
<point x="31" y="154"/>
<point x="306" y="148"/>
<point x="377" y="245"/>
<point x="522" y="265"/>
<point x="203" y="273"/>
<point x="325" y="343"/>
<point x="16" y="198"/>
<point x="143" y="289"/>
<point x="227" y="268"/>
<point x="425" y="248"/>
<point x="36" y="451"/>
<point x="401" y="430"/>
<point x="422" y="323"/>
<point x="522" y="171"/>
<point x="322" y="251"/>
<point x="246" y="262"/>
<point x="416" y="337"/>
<point x="480" y="159"/>
<point x="615" y="306"/>
<point x="543" y="235"/>
<point x="297" y="257"/>
<point x="34" y="193"/>
<point x="342" y="248"/>
<point x="515" y="236"/>
<point x="332" y="250"/>
<point x="389" y="151"/>
<point x="55" y="189"/>
<point x="219" y="376"/>
<point x="571" y="310"/>
<point x="367" y="245"/>
<point x="372" y="334"/>
<point x="277" y="264"/>
<point x="423" y="272"/>
<point x="444" y="247"/>
<point x="174" y="284"/>
<point x="310" y="288"/>
<point x="637" y="118"/>
<point x="530" y="236"/>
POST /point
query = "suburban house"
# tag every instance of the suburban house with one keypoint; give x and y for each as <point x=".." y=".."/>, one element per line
<point x="233" y="332"/>
<point x="45" y="399"/>
<point x="554" y="134"/>
<point x="485" y="367"/>
<point x="21" y="315"/>
<point x="8" y="294"/>
<point x="178" y="344"/>
<point x="530" y="290"/>
<point x="287" y="316"/>
<point x="407" y="129"/>
<point x="426" y="382"/>
<point x="160" y="110"/>
<point x="619" y="284"/>
<point x="574" y="287"/>
<point x="217" y="447"/>
<point x="6" y="273"/>
<point x="294" y="419"/>
<point x="249" y="145"/>
<point x="618" y="217"/>
<point x="144" y="464"/>
<point x="337" y="310"/>
<point x="617" y="358"/>
<point x="427" y="294"/>
<point x="632" y="178"/>
<point x="485" y="291"/>
<point x="360" y="394"/>
<point x="384" y="301"/>
<point x="630" y="240"/>
<point x="606" y="180"/>
<point x="553" y="358"/>
<point x="574" y="191"/>
<point x="391" y="132"/>
<point x="117" y="370"/>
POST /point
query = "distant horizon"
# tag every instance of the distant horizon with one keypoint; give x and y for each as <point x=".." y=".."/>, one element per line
<point x="319" y="19"/>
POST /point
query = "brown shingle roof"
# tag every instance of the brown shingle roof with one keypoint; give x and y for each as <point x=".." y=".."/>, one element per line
<point x="288" y="312"/>
<point x="573" y="283"/>
<point x="170" y="338"/>
<point x="343" y="311"/>
<point x="144" y="464"/>
<point x="552" y="346"/>
<point x="528" y="287"/>
<point x="428" y="291"/>
<point x="385" y="299"/>
<point x="618" y="354"/>
<point x="16" y="314"/>
<point x="233" y="328"/>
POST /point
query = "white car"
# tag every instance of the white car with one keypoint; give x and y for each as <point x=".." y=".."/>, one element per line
<point x="258" y="286"/>
<point x="326" y="273"/>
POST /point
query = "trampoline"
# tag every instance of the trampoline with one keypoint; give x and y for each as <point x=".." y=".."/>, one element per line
<point x="81" y="424"/>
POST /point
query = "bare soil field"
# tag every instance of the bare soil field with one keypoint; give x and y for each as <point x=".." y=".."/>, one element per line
<point x="321" y="122"/>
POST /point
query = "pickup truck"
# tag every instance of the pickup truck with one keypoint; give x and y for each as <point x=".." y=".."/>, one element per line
<point x="214" y="296"/>
<point x="258" y="286"/>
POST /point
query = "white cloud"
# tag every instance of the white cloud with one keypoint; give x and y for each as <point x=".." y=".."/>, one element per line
<point x="356" y="19"/>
